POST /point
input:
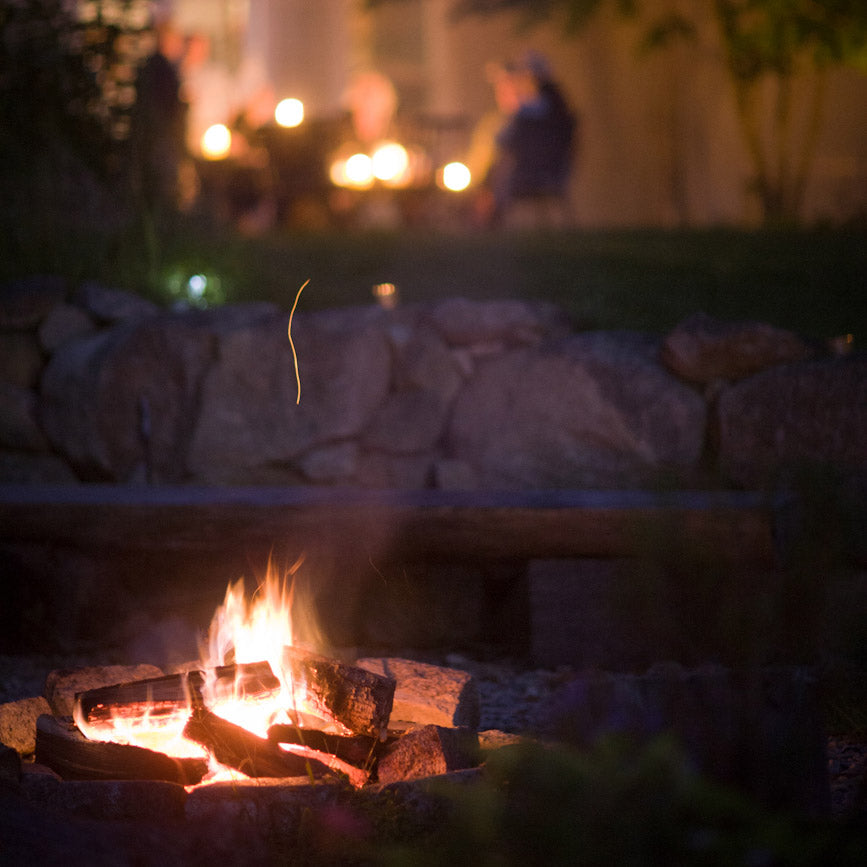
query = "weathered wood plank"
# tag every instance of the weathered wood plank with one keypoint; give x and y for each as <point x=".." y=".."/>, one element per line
<point x="399" y="524"/>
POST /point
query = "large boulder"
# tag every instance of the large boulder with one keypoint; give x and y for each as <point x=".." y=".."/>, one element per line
<point x="125" y="399"/>
<point x="595" y="410"/>
<point x="253" y="426"/>
<point x="411" y="421"/>
<point x="703" y="349"/>
<point x="31" y="468"/>
<point x="814" y="412"/>
<point x="113" y="305"/>
<point x="64" y="322"/>
<point x="424" y="360"/>
<point x="508" y="322"/>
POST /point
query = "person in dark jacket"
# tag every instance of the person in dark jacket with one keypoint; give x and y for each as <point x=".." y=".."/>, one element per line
<point x="535" y="146"/>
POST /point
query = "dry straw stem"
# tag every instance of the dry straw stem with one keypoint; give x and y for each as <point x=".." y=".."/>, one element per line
<point x="292" y="344"/>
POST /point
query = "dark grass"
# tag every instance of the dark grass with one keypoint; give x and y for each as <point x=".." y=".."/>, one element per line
<point x="811" y="281"/>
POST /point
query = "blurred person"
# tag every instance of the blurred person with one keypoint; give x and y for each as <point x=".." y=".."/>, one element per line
<point x="372" y="102"/>
<point x="158" y="127"/>
<point x="252" y="193"/>
<point x="528" y="180"/>
<point x="484" y="158"/>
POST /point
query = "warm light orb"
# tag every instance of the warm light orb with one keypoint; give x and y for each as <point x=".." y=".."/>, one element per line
<point x="390" y="162"/>
<point x="456" y="177"/>
<point x="289" y="112"/>
<point x="359" y="170"/>
<point x="216" y="142"/>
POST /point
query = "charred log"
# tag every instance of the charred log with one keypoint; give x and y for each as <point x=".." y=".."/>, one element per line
<point x="63" y="748"/>
<point x="159" y="696"/>
<point x="237" y="748"/>
<point x="358" y="699"/>
<point x="358" y="750"/>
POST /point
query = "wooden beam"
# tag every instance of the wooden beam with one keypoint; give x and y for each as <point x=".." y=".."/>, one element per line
<point x="738" y="526"/>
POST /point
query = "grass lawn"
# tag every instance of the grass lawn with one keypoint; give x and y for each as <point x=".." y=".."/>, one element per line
<point x="812" y="281"/>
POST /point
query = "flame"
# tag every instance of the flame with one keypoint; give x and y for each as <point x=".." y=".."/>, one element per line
<point x="241" y="631"/>
<point x="252" y="632"/>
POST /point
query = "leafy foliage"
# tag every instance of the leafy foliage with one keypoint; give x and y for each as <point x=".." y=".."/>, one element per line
<point x="761" y="39"/>
<point x="67" y="81"/>
<point x="618" y="803"/>
<point x="67" y="90"/>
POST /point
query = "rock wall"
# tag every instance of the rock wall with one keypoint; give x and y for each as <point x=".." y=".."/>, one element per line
<point x="100" y="385"/>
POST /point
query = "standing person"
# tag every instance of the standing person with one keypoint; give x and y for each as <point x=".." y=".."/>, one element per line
<point x="159" y="123"/>
<point x="561" y="139"/>
<point x="530" y="176"/>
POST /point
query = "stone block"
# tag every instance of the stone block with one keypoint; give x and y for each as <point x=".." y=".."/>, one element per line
<point x="140" y="800"/>
<point x="427" y="752"/>
<point x="702" y="349"/>
<point x="428" y="694"/>
<point x="18" y="723"/>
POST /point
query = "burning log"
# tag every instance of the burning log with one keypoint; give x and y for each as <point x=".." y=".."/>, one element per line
<point x="238" y="748"/>
<point x="63" y="748"/>
<point x="158" y="696"/>
<point x="358" y="699"/>
<point x="357" y="750"/>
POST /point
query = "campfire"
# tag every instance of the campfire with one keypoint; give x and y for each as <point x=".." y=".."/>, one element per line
<point x="257" y="704"/>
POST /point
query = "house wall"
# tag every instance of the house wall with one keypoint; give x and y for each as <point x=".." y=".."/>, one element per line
<point x="660" y="141"/>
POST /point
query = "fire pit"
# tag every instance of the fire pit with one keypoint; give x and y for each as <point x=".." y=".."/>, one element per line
<point x="255" y="706"/>
<point x="256" y="745"/>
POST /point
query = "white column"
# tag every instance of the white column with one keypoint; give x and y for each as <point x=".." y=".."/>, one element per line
<point x="306" y="49"/>
<point x="441" y="72"/>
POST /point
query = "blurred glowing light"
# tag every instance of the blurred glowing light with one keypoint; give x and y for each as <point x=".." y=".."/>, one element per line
<point x="390" y="162"/>
<point x="359" y="170"/>
<point x="196" y="285"/>
<point x="216" y="142"/>
<point x="456" y="177"/>
<point x="289" y="112"/>
<point x="386" y="294"/>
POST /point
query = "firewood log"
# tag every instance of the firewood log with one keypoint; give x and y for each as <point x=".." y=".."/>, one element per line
<point x="155" y="696"/>
<point x="359" y="700"/>
<point x="238" y="748"/>
<point x="63" y="748"/>
<point x="358" y="750"/>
